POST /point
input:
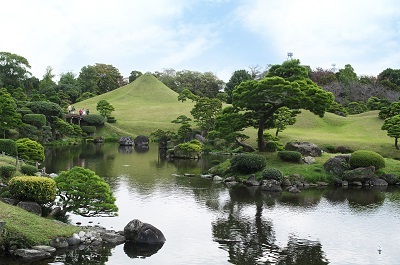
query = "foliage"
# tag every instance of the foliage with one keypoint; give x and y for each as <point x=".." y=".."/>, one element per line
<point x="272" y="173"/>
<point x="161" y="135"/>
<point x="37" y="120"/>
<point x="390" y="78"/>
<point x="28" y="170"/>
<point x="204" y="112"/>
<point x="366" y="158"/>
<point x="347" y="75"/>
<point x="94" y="119"/>
<point x="13" y="70"/>
<point x="30" y="150"/>
<point x="392" y="126"/>
<point x="111" y="119"/>
<point x="84" y="96"/>
<point x="37" y="189"/>
<point x="89" y="129"/>
<point x="104" y="107"/>
<point x="7" y="171"/>
<point x="248" y="163"/>
<point x="221" y="169"/>
<point x="237" y="77"/>
<point x="9" y="147"/>
<point x="9" y="117"/>
<point x="62" y="127"/>
<point x="108" y="77"/>
<point x="284" y="117"/>
<point x="49" y="109"/>
<point x="271" y="146"/>
<point x="337" y="109"/>
<point x="185" y="132"/>
<point x="87" y="80"/>
<point x="83" y="192"/>
<point x="228" y="124"/>
<point x="356" y="108"/>
<point x="389" y="111"/>
<point x="190" y="149"/>
<point x="323" y="77"/>
<point x="261" y="99"/>
<point x="375" y="103"/>
<point x="290" y="156"/>
<point x="134" y="75"/>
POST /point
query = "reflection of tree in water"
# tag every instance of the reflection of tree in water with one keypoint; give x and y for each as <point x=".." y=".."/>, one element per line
<point x="307" y="197"/>
<point x="135" y="251"/>
<point x="302" y="252"/>
<point x="96" y="255"/>
<point x="358" y="198"/>
<point x="251" y="239"/>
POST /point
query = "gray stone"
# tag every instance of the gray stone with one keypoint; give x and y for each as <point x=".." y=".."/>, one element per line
<point x="31" y="254"/>
<point x="294" y="189"/>
<point x="230" y="184"/>
<point x="32" y="207"/>
<point x="390" y="178"/>
<point x="143" y="233"/>
<point x="286" y="182"/>
<point x="322" y="184"/>
<point x="141" y="140"/>
<point x="206" y="176"/>
<point x="113" y="238"/>
<point x="217" y="178"/>
<point x="355" y="183"/>
<point x="55" y="212"/>
<point x="126" y="141"/>
<point x="376" y="182"/>
<point x="74" y="240"/>
<point x="59" y="243"/>
<point x="251" y="181"/>
<point x="271" y="185"/>
<point x="308" y="160"/>
<point x="361" y="174"/>
<point x="45" y="248"/>
<point x="9" y="201"/>
<point x="337" y="165"/>
<point x="305" y="148"/>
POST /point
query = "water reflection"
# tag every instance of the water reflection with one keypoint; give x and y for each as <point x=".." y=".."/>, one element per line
<point x="135" y="251"/>
<point x="242" y="225"/>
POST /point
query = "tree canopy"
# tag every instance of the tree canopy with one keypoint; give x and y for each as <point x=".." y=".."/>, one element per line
<point x="9" y="117"/>
<point x="392" y="126"/>
<point x="285" y="85"/>
<point x="105" y="108"/>
<point x="237" y="77"/>
<point x="13" y="70"/>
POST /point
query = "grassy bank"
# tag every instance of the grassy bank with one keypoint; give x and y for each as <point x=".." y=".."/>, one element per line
<point x="26" y="229"/>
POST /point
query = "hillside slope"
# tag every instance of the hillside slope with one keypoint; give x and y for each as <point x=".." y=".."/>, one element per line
<point x="141" y="107"/>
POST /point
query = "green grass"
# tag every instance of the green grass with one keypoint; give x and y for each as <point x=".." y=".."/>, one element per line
<point x="26" y="229"/>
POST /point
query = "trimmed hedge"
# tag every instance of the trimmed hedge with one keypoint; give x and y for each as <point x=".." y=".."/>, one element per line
<point x="248" y="163"/>
<point x="37" y="120"/>
<point x="9" y="147"/>
<point x="28" y="170"/>
<point x="88" y="129"/>
<point x="37" y="189"/>
<point x="272" y="173"/>
<point x="271" y="147"/>
<point x="30" y="150"/>
<point x="365" y="158"/>
<point x="94" y="119"/>
<point x="290" y="156"/>
<point x="111" y="119"/>
<point x="7" y="171"/>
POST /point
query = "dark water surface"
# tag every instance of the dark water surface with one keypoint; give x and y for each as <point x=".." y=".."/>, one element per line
<point x="206" y="223"/>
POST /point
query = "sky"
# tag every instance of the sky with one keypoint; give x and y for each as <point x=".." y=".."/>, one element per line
<point x="218" y="36"/>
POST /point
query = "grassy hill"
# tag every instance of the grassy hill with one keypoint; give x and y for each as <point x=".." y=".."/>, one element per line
<point x="141" y="107"/>
<point x="146" y="105"/>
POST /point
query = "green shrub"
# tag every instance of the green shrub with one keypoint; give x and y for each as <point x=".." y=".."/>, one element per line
<point x="37" y="120"/>
<point x="111" y="119"/>
<point x="248" y="163"/>
<point x="28" y="170"/>
<point x="290" y="156"/>
<point x="271" y="147"/>
<point x="272" y="173"/>
<point x="94" y="119"/>
<point x="9" y="147"/>
<point x="220" y="144"/>
<point x="30" y="150"/>
<point x="37" y="189"/>
<point x="88" y="129"/>
<point x="190" y="149"/>
<point x="365" y="158"/>
<point x="24" y="111"/>
<point x="111" y="139"/>
<point x="330" y="148"/>
<point x="7" y="171"/>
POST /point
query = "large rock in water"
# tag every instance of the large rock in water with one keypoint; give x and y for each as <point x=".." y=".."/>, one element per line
<point x="305" y="148"/>
<point x="142" y="140"/>
<point x="143" y="233"/>
<point x="126" y="141"/>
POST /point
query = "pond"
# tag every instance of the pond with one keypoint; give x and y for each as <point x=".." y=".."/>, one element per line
<point x="205" y="222"/>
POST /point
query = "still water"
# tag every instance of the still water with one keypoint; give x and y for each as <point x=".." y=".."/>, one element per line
<point x="204" y="222"/>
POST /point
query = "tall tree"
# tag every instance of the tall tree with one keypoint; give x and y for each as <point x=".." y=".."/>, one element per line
<point x="87" y="79"/>
<point x="105" y="108"/>
<point x="392" y="126"/>
<point x="13" y="70"/>
<point x="286" y="85"/>
<point x="237" y="77"/>
<point x="108" y="77"/>
<point x="9" y="117"/>
<point x="68" y="85"/>
<point x="134" y="75"/>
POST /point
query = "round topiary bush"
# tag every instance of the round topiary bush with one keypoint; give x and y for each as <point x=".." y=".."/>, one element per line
<point x="7" y="171"/>
<point x="272" y="173"/>
<point x="290" y="156"/>
<point x="38" y="189"/>
<point x="248" y="163"/>
<point x="365" y="158"/>
<point x="271" y="147"/>
<point x="28" y="170"/>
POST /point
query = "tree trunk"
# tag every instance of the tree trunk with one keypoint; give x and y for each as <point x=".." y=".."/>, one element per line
<point x="247" y="147"/>
<point x="395" y="143"/>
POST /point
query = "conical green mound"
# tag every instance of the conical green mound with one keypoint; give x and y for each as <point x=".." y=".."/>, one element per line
<point x="141" y="107"/>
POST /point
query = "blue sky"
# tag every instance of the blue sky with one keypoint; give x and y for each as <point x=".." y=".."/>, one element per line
<point x="220" y="36"/>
